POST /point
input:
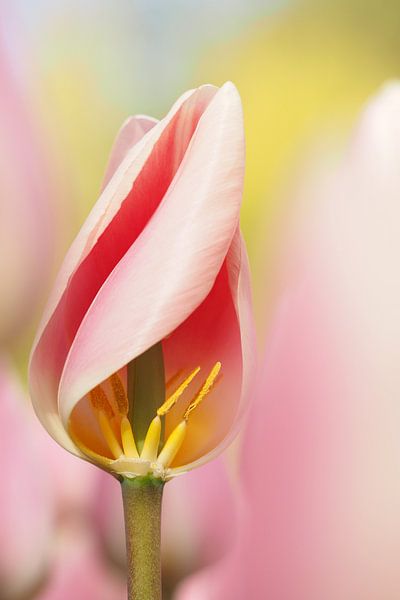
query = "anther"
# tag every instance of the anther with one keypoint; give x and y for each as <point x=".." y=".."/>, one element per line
<point x="119" y="394"/>
<point x="100" y="401"/>
<point x="173" y="399"/>
<point x="209" y="382"/>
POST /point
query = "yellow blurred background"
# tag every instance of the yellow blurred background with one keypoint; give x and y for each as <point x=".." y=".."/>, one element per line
<point x="303" y="69"/>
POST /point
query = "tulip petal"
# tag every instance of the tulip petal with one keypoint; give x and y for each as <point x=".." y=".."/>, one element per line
<point x="320" y="458"/>
<point x="115" y="192"/>
<point x="130" y="133"/>
<point x="220" y="329"/>
<point x="79" y="572"/>
<point x="182" y="248"/>
<point x="68" y="304"/>
<point x="28" y="215"/>
<point x="26" y="496"/>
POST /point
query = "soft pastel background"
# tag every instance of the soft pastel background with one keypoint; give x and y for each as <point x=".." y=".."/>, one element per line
<point x="320" y="458"/>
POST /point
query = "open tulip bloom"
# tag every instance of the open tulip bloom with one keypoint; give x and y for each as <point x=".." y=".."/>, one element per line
<point x="143" y="359"/>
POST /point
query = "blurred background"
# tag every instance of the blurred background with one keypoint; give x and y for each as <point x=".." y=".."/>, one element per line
<point x="71" y="72"/>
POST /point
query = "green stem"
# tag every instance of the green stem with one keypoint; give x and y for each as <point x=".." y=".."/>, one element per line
<point x="142" y="510"/>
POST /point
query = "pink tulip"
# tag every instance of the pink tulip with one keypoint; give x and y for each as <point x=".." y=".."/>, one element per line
<point x="43" y="488"/>
<point x="27" y="504"/>
<point x="159" y="264"/>
<point x="321" y="457"/>
<point x="79" y="572"/>
<point x="26" y="224"/>
<point x="73" y="482"/>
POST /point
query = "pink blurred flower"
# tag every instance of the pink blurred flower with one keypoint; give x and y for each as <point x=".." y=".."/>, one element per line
<point x="26" y="224"/>
<point x="160" y="258"/>
<point x="26" y="496"/>
<point x="321" y="457"/>
<point x="79" y="572"/>
<point x="39" y="513"/>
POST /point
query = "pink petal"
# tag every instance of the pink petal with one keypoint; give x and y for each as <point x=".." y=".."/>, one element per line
<point x="27" y="219"/>
<point x="79" y="572"/>
<point x="26" y="495"/>
<point x="321" y="454"/>
<point x="149" y="295"/>
<point x="199" y="520"/>
<point x="181" y="282"/>
<point x="129" y="183"/>
<point x="73" y="480"/>
<point x="220" y="329"/>
<point x="130" y="133"/>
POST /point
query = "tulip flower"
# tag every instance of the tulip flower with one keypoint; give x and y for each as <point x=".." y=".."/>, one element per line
<point x="26" y="495"/>
<point x="36" y="508"/>
<point x="26" y="224"/>
<point x="322" y="521"/>
<point x="78" y="571"/>
<point x="143" y="360"/>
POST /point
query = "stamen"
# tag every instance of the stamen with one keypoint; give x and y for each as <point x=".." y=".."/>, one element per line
<point x="172" y="445"/>
<point x="100" y="401"/>
<point x="109" y="434"/>
<point x="172" y="400"/>
<point x="128" y="441"/>
<point x="209" y="382"/>
<point x="119" y="394"/>
<point x="152" y="440"/>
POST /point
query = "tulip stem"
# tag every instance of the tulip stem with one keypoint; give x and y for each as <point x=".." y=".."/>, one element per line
<point x="142" y="498"/>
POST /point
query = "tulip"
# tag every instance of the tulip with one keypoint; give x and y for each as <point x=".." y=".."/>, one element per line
<point x="322" y="521"/>
<point x="35" y="559"/>
<point x="78" y="571"/>
<point x="143" y="360"/>
<point x="27" y="502"/>
<point x="26" y="224"/>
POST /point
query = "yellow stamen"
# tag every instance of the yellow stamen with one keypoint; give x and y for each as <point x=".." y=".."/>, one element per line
<point x="128" y="441"/>
<point x="100" y="401"/>
<point x="172" y="400"/>
<point x="109" y="434"/>
<point x="119" y="394"/>
<point x="85" y="450"/>
<point x="152" y="440"/>
<point x="209" y="382"/>
<point x="172" y="445"/>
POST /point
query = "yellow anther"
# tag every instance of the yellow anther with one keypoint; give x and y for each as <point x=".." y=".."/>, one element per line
<point x="119" y="394"/>
<point x="100" y="401"/>
<point x="172" y="445"/>
<point x="173" y="399"/>
<point x="128" y="441"/>
<point x="152" y="440"/>
<point x="209" y="382"/>
<point x="109" y="434"/>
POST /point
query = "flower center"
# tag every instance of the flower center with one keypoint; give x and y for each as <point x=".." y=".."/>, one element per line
<point x="112" y="410"/>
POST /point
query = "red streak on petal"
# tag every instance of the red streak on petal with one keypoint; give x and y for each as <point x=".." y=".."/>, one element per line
<point x="135" y="212"/>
